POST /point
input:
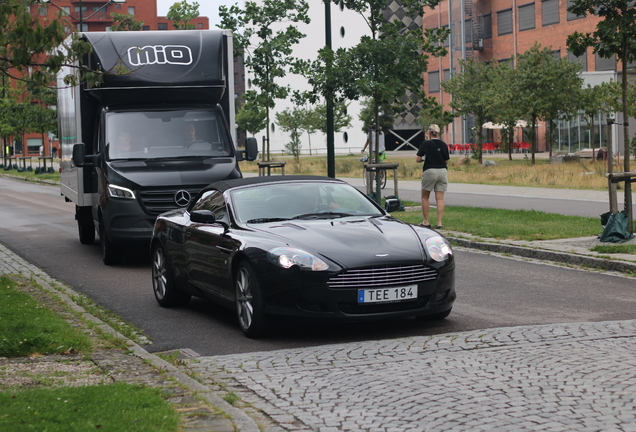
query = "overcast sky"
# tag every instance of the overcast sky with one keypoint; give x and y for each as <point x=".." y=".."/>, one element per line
<point x="208" y="8"/>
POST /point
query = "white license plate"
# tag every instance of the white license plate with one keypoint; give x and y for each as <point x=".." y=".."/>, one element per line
<point x="386" y="295"/>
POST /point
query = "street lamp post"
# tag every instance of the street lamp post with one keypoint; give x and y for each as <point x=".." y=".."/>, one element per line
<point x="81" y="17"/>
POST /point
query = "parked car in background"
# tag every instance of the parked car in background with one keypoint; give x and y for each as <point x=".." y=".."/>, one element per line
<point x="299" y="246"/>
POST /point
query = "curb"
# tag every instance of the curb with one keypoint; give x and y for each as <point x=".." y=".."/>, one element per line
<point x="548" y="255"/>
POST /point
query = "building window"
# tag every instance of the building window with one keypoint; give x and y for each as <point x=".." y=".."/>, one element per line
<point x="345" y="137"/>
<point x="526" y="17"/>
<point x="433" y="82"/>
<point x="273" y="127"/>
<point x="131" y="10"/>
<point x="200" y="25"/>
<point x="504" y="22"/>
<point x="162" y="26"/>
<point x="468" y="31"/>
<point x="604" y="64"/>
<point x="556" y="54"/>
<point x="549" y="12"/>
<point x="84" y="9"/>
<point x="447" y="74"/>
<point x="486" y="22"/>
<point x="145" y="28"/>
<point x="447" y="38"/>
<point x="342" y="32"/>
<point x="82" y="27"/>
<point x="33" y="145"/>
<point x="42" y="11"/>
<point x="572" y="16"/>
<point x="66" y="10"/>
<point x="582" y="61"/>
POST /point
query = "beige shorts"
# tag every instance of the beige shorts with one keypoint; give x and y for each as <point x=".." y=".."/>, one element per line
<point x="435" y="179"/>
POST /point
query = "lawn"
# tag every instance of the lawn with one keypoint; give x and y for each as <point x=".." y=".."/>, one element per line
<point x="28" y="328"/>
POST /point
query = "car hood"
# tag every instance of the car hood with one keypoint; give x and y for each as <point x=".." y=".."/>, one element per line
<point x="169" y="172"/>
<point x="352" y="242"/>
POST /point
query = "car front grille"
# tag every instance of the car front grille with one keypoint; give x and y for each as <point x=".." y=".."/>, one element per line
<point x="158" y="200"/>
<point x="383" y="277"/>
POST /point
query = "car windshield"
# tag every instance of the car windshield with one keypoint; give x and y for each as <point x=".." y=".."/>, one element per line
<point x="300" y="200"/>
<point x="165" y="134"/>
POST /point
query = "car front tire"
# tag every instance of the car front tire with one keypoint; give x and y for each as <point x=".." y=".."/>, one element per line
<point x="163" y="284"/>
<point x="249" y="302"/>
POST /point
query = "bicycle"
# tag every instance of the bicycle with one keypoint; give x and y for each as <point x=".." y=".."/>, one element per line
<point x="365" y="159"/>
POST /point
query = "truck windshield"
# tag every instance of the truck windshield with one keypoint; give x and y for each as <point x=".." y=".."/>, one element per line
<point x="165" y="134"/>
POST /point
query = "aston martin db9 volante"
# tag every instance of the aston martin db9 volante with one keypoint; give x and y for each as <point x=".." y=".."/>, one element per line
<point x="299" y="246"/>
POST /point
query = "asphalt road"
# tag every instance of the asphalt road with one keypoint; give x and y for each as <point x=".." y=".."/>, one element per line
<point x="492" y="291"/>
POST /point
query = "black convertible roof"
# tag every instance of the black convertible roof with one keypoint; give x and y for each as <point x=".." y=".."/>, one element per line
<point x="224" y="185"/>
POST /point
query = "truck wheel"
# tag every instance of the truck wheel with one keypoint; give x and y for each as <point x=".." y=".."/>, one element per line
<point x="85" y="226"/>
<point x="110" y="254"/>
<point x="163" y="283"/>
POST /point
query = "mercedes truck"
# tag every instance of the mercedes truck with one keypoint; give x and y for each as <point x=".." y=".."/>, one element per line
<point x="146" y="139"/>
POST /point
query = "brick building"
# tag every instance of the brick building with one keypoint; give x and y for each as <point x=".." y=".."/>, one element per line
<point x="499" y="30"/>
<point x="87" y="15"/>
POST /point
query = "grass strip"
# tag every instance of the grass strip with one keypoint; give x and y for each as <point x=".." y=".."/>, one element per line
<point x="28" y="327"/>
<point x="115" y="407"/>
<point x="527" y="225"/>
<point x="615" y="249"/>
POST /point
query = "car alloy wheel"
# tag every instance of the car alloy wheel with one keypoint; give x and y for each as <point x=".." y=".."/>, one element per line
<point x="249" y="302"/>
<point x="163" y="285"/>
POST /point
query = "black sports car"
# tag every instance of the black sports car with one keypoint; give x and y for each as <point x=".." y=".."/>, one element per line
<point x="299" y="246"/>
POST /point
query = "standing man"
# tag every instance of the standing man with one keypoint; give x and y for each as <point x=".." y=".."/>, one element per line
<point x="434" y="154"/>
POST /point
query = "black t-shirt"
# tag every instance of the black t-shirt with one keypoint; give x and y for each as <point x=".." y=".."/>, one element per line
<point x="435" y="154"/>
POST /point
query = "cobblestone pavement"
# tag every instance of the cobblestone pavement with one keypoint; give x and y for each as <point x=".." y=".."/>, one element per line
<point x="574" y="377"/>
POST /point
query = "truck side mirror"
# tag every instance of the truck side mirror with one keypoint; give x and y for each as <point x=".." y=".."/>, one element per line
<point x="79" y="155"/>
<point x="251" y="149"/>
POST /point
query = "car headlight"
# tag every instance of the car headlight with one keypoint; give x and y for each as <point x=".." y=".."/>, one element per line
<point x="120" y="192"/>
<point x="287" y="257"/>
<point x="438" y="248"/>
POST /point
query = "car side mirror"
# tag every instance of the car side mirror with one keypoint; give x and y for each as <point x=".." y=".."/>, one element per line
<point x="203" y="216"/>
<point x="207" y="217"/>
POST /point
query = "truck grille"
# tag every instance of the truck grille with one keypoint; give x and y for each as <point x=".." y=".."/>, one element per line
<point x="383" y="276"/>
<point x="158" y="200"/>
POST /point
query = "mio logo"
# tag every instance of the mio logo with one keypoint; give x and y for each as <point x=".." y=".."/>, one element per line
<point x="160" y="54"/>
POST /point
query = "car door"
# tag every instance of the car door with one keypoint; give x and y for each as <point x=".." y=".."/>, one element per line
<point x="209" y="248"/>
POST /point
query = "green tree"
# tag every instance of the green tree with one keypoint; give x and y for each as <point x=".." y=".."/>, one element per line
<point x="385" y="118"/>
<point x="471" y="89"/>
<point x="384" y="66"/>
<point x="29" y="49"/>
<point x="317" y="118"/>
<point x="125" y="22"/>
<point x="506" y="110"/>
<point x="614" y="35"/>
<point x="258" y="33"/>
<point x="541" y="82"/>
<point x="294" y="121"/>
<point x="434" y="113"/>
<point x="251" y="117"/>
<point x="181" y="13"/>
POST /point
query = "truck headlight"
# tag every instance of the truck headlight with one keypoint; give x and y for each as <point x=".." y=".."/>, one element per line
<point x="287" y="257"/>
<point x="438" y="248"/>
<point x="120" y="192"/>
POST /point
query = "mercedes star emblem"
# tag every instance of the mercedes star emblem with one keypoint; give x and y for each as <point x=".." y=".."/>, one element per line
<point x="182" y="198"/>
